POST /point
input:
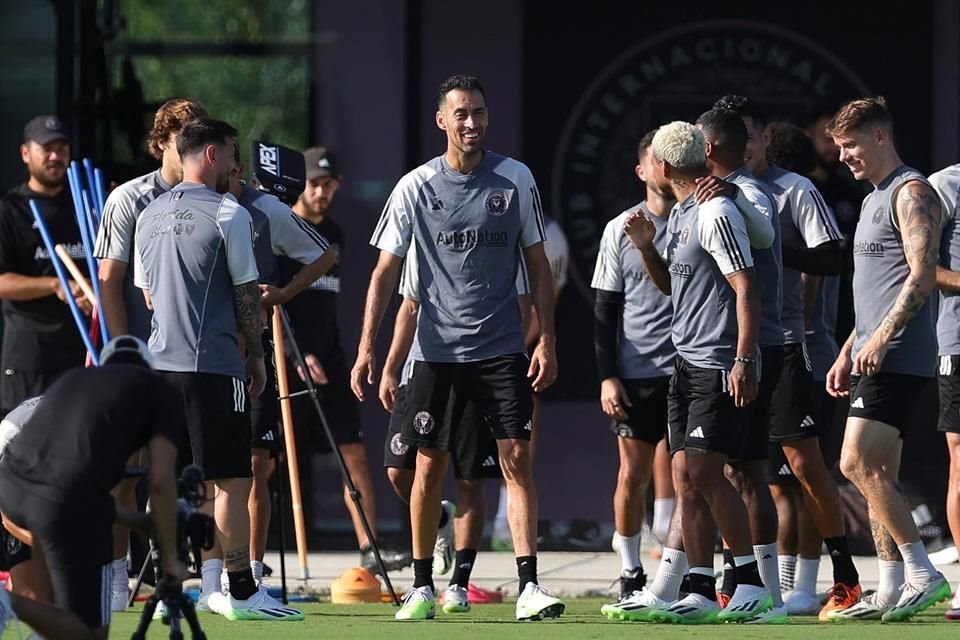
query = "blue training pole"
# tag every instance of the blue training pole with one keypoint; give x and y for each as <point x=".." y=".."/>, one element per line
<point x="64" y="282"/>
<point x="80" y="205"/>
<point x="100" y="191"/>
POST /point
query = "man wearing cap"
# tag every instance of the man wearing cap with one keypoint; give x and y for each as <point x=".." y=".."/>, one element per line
<point x="313" y="315"/>
<point x="40" y="340"/>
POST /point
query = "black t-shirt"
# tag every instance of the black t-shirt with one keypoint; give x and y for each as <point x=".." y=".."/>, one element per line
<point x="38" y="335"/>
<point x="313" y="312"/>
<point x="87" y="425"/>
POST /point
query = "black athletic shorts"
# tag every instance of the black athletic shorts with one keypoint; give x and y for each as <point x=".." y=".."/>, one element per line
<point x="779" y="471"/>
<point x="647" y="418"/>
<point x="17" y="385"/>
<point x="793" y="413"/>
<point x="340" y="406"/>
<point x="474" y="455"/>
<point x="756" y="436"/>
<point x="949" y="382"/>
<point x="218" y="422"/>
<point x="13" y="551"/>
<point x="887" y="397"/>
<point x="498" y="387"/>
<point x="702" y="414"/>
<point x="76" y="535"/>
<point x="265" y="409"/>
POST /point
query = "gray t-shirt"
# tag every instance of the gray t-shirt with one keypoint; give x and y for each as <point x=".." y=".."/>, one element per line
<point x="115" y="240"/>
<point x="768" y="262"/>
<point x="645" y="348"/>
<point x="12" y="423"/>
<point x="469" y="231"/>
<point x="706" y="243"/>
<point x="821" y="338"/>
<point x="558" y="253"/>
<point x="278" y="231"/>
<point x="879" y="271"/>
<point x="193" y="246"/>
<point x="805" y="221"/>
<point x="947" y="184"/>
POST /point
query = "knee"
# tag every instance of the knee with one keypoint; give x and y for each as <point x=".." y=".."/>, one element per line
<point x="354" y="453"/>
<point x="704" y="475"/>
<point x="853" y="467"/>
<point x="431" y="464"/>
<point x="515" y="461"/>
<point x="262" y="465"/>
<point x="632" y="475"/>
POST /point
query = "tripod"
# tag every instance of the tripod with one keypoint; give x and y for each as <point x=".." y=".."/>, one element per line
<point x="177" y="603"/>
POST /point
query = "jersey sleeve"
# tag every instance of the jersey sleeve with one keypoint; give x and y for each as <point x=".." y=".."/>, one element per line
<point x="140" y="277"/>
<point x="293" y="237"/>
<point x="409" y="276"/>
<point x="607" y="273"/>
<point x="532" y="227"/>
<point x="812" y="217"/>
<point x="723" y="233"/>
<point x="394" y="231"/>
<point x="949" y="191"/>
<point x="117" y="228"/>
<point x="237" y="229"/>
<point x="758" y="214"/>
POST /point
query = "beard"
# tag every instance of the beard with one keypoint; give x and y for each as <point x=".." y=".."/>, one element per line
<point x="50" y="178"/>
<point x="223" y="183"/>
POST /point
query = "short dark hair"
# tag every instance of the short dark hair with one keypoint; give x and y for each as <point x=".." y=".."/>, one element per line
<point x="744" y="107"/>
<point x="725" y="129"/>
<point x="791" y="148"/>
<point x="461" y="82"/>
<point x="197" y="134"/>
<point x="859" y="114"/>
<point x="644" y="145"/>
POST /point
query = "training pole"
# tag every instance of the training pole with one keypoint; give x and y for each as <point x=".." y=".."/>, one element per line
<point x="290" y="444"/>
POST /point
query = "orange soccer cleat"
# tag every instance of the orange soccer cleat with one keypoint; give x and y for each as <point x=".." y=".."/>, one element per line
<point x="842" y="596"/>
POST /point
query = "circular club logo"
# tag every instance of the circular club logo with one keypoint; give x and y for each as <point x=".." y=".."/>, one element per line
<point x="497" y="203"/>
<point x="423" y="422"/>
<point x="676" y="75"/>
<point x="397" y="448"/>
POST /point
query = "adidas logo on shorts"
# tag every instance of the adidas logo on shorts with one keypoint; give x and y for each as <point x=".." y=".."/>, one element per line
<point x="697" y="433"/>
<point x="807" y="422"/>
<point x="785" y="471"/>
<point x="268" y="436"/>
<point x="857" y="404"/>
<point x="489" y="462"/>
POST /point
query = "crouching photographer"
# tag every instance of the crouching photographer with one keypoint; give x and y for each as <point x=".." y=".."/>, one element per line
<point x="57" y="473"/>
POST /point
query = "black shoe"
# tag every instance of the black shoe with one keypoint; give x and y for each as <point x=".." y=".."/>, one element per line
<point x="630" y="582"/>
<point x="393" y="559"/>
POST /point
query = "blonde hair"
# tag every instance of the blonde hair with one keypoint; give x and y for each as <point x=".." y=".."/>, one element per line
<point x="681" y="145"/>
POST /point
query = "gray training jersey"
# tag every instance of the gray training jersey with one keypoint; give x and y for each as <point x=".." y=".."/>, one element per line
<point x="706" y="243"/>
<point x="12" y="423"/>
<point x="805" y="221"/>
<point x="115" y="240"/>
<point x="947" y="184"/>
<point x="278" y="231"/>
<point x="645" y="347"/>
<point x="879" y="271"/>
<point x="469" y="231"/>
<point x="821" y="338"/>
<point x="193" y="246"/>
<point x="768" y="263"/>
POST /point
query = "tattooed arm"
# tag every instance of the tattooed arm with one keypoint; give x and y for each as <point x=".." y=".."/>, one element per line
<point x="246" y="304"/>
<point x="917" y="207"/>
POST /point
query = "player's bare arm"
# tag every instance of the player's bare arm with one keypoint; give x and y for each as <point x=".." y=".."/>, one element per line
<point x="383" y="281"/>
<point x="308" y="274"/>
<point x="246" y="303"/>
<point x="744" y="378"/>
<point x="111" y="274"/>
<point x="404" y="329"/>
<point x="917" y="208"/>
<point x="543" y="362"/>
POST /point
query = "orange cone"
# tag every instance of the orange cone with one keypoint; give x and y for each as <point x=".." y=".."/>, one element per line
<point x="353" y="586"/>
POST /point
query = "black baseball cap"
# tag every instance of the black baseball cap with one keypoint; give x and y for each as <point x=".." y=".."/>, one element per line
<point x="45" y="129"/>
<point x="320" y="163"/>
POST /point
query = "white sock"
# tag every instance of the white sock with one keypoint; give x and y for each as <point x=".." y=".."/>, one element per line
<point x="806" y="578"/>
<point x="917" y="563"/>
<point x="257" y="569"/>
<point x="120" y="578"/>
<point x="788" y="569"/>
<point x="891" y="579"/>
<point x="210" y="575"/>
<point x="628" y="548"/>
<point x="662" y="513"/>
<point x="767" y="563"/>
<point x="666" y="584"/>
<point x="501" y="526"/>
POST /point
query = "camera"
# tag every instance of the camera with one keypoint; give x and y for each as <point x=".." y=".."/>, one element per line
<point x="195" y="530"/>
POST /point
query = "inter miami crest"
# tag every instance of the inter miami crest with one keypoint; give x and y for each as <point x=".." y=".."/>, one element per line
<point x="497" y="203"/>
<point x="423" y="422"/>
<point x="878" y="215"/>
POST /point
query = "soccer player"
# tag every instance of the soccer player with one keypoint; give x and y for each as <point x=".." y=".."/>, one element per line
<point x="947" y="183"/>
<point x="313" y="316"/>
<point x="810" y="245"/>
<point x="635" y="356"/>
<point x="891" y="355"/>
<point x="707" y="262"/>
<point x="121" y="301"/>
<point x="194" y="260"/>
<point x="57" y="473"/>
<point x="471" y="214"/>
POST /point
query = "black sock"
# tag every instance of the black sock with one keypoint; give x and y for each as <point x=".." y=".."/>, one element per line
<point x="843" y="568"/>
<point x="242" y="584"/>
<point x="526" y="570"/>
<point x="749" y="574"/>
<point x="704" y="585"/>
<point x="423" y="573"/>
<point x="463" y="567"/>
<point x="729" y="574"/>
<point x="444" y="518"/>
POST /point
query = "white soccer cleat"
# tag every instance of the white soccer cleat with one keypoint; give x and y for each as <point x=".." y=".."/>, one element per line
<point x="259" y="606"/>
<point x="801" y="603"/>
<point x="748" y="601"/>
<point x="635" y="608"/>
<point x="776" y="615"/>
<point x="917" y="597"/>
<point x="444" y="550"/>
<point x="869" y="608"/>
<point x="204" y="604"/>
<point x="693" y="609"/>
<point x="418" y="604"/>
<point x="455" y="600"/>
<point x="537" y="603"/>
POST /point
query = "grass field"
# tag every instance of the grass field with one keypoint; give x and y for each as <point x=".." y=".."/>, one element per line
<point x="582" y="620"/>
